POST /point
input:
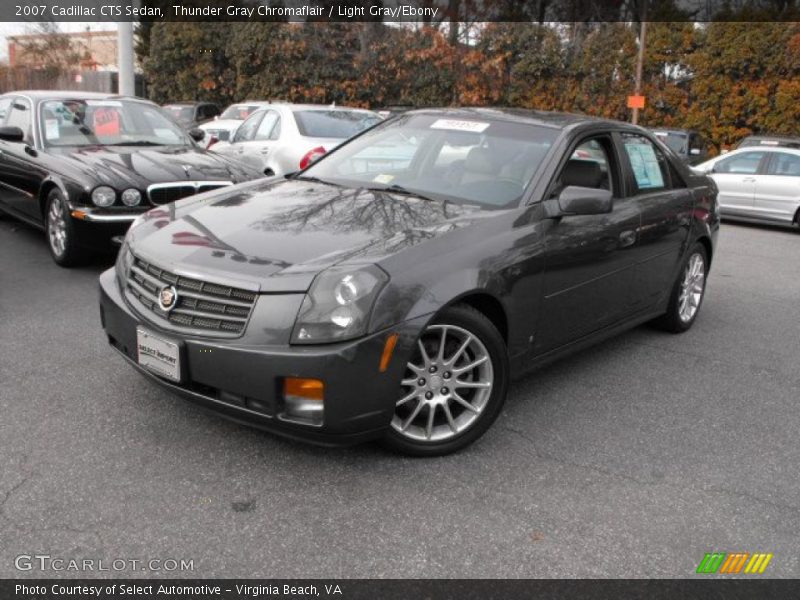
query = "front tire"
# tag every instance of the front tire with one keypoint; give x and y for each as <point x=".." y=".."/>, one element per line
<point x="61" y="238"/>
<point x="454" y="385"/>
<point x="687" y="292"/>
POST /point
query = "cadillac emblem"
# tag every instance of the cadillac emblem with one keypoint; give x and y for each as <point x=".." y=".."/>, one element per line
<point x="168" y="298"/>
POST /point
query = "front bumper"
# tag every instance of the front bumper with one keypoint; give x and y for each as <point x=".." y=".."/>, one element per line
<point x="95" y="229"/>
<point x="243" y="382"/>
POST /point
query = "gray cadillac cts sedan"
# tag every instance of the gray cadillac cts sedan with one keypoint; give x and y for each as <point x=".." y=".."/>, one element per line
<point x="394" y="287"/>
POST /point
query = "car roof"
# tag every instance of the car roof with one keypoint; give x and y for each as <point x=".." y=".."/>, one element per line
<point x="555" y="120"/>
<point x="187" y="103"/>
<point x="784" y="149"/>
<point x="764" y="136"/>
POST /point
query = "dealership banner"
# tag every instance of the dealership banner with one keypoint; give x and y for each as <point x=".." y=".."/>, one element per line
<point x="395" y="589"/>
<point x="418" y="11"/>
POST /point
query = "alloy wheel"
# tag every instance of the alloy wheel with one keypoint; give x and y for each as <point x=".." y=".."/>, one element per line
<point x="57" y="227"/>
<point x="446" y="387"/>
<point x="692" y="287"/>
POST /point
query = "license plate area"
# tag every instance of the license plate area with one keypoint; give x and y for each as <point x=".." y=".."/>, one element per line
<point x="158" y="355"/>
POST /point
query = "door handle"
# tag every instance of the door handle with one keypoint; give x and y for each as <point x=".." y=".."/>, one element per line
<point x="264" y="151"/>
<point x="748" y="180"/>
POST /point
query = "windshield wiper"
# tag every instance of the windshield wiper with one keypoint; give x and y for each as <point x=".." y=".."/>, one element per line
<point x="399" y="189"/>
<point x="137" y="143"/>
<point x="314" y="179"/>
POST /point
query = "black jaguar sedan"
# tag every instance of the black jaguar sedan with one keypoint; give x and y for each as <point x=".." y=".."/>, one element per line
<point x="83" y="166"/>
<point x="392" y="289"/>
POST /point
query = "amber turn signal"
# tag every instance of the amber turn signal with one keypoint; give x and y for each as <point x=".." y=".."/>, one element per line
<point x="310" y="389"/>
<point x="388" y="350"/>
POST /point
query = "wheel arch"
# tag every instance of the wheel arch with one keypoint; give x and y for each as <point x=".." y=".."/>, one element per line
<point x="47" y="186"/>
<point x="489" y="306"/>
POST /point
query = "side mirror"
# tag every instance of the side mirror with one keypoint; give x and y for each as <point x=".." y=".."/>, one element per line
<point x="12" y="134"/>
<point x="577" y="200"/>
<point x="197" y="134"/>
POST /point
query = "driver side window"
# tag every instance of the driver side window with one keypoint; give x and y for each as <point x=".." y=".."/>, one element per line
<point x="20" y="116"/>
<point x="590" y="166"/>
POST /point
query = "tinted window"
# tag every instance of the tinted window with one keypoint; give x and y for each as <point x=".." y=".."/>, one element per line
<point x="589" y="166"/>
<point x="745" y="163"/>
<point x="247" y="130"/>
<point x="648" y="163"/>
<point x="340" y="124"/>
<point x="784" y="164"/>
<point x="20" y="116"/>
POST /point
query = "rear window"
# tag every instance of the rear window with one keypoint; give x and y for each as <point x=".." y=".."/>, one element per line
<point x="239" y="111"/>
<point x="340" y="124"/>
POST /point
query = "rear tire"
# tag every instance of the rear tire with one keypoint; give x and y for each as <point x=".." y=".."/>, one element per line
<point x="60" y="232"/>
<point x="454" y="385"/>
<point x="687" y="293"/>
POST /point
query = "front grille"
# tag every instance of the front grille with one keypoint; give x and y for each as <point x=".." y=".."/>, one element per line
<point x="164" y="193"/>
<point x="200" y="304"/>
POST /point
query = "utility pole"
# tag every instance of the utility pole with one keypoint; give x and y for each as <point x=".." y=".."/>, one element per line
<point x="639" y="61"/>
<point x="125" y="58"/>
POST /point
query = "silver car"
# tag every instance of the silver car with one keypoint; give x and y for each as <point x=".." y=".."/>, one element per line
<point x="222" y="128"/>
<point x="282" y="138"/>
<point x="758" y="183"/>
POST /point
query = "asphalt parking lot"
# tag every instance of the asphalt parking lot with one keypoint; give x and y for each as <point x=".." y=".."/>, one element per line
<point x="630" y="459"/>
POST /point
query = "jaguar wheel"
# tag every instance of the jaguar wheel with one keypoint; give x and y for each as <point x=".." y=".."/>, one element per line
<point x="60" y="232"/>
<point x="454" y="385"/>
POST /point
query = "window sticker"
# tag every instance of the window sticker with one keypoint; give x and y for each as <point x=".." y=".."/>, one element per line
<point x="387" y="179"/>
<point x="456" y="125"/>
<point x="644" y="163"/>
<point x="51" y="130"/>
<point x="106" y="121"/>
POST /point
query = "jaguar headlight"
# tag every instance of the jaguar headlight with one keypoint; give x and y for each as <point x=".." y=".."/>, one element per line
<point x="131" y="197"/>
<point x="338" y="305"/>
<point x="103" y="196"/>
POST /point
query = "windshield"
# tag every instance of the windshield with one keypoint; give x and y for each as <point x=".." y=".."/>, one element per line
<point x="675" y="141"/>
<point x="341" y="124"/>
<point x="78" y="122"/>
<point x="239" y="112"/>
<point x="474" y="161"/>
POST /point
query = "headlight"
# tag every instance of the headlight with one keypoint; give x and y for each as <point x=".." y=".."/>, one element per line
<point x="124" y="261"/>
<point x="104" y="196"/>
<point x="338" y="305"/>
<point x="131" y="197"/>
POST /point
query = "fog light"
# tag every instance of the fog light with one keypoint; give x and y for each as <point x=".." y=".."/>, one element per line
<point x="303" y="400"/>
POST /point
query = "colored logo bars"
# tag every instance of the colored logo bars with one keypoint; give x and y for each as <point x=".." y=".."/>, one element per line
<point x="721" y="562"/>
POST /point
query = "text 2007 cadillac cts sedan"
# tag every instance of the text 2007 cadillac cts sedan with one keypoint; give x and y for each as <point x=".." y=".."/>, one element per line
<point x="393" y="288"/>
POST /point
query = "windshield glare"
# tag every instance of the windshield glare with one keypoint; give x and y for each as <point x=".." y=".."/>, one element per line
<point x="467" y="161"/>
<point x="337" y="124"/>
<point x="107" y="122"/>
<point x="239" y="112"/>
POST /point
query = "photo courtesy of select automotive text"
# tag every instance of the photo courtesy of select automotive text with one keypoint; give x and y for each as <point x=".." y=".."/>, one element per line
<point x="399" y="299"/>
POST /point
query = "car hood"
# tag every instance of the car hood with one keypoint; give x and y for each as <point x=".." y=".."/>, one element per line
<point x="277" y="236"/>
<point x="136" y="166"/>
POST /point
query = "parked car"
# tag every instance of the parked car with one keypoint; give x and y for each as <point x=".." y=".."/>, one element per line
<point x="758" y="183"/>
<point x="192" y="114"/>
<point x="82" y="166"/>
<point x="353" y="301"/>
<point x="283" y="138"/>
<point x="690" y="146"/>
<point x="222" y="128"/>
<point x="769" y="140"/>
